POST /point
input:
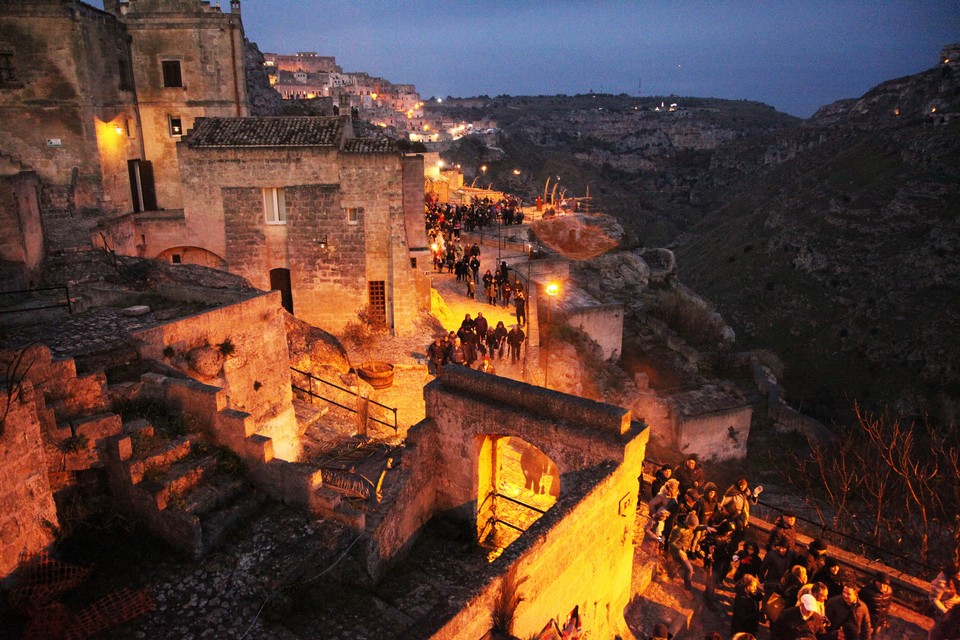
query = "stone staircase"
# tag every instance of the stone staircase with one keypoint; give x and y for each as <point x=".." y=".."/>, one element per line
<point x="187" y="492"/>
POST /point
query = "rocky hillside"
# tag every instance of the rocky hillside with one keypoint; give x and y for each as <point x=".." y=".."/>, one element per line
<point x="844" y="256"/>
<point x="641" y="161"/>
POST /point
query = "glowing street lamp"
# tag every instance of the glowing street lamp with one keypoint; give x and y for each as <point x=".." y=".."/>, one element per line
<point x="552" y="290"/>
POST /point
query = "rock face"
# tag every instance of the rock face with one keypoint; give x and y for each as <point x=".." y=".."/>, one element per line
<point x="614" y="277"/>
<point x="851" y="245"/>
<point x="206" y="361"/>
<point x="264" y="99"/>
<point x="314" y="350"/>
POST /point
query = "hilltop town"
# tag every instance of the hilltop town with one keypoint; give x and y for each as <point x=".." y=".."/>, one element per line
<point x="255" y="383"/>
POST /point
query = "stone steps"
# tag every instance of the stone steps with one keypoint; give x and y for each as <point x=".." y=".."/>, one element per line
<point x="216" y="524"/>
<point x="184" y="498"/>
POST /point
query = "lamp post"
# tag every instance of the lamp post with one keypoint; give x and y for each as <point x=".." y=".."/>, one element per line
<point x="552" y="290"/>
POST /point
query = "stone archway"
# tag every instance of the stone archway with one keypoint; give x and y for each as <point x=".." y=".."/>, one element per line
<point x="193" y="255"/>
<point x="517" y="483"/>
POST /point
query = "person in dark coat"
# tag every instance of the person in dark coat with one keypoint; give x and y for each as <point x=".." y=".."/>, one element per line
<point x="878" y="596"/>
<point x="783" y="532"/>
<point x="521" y="303"/>
<point x="436" y="354"/>
<point x="775" y="564"/>
<point x="747" y="614"/>
<point x="832" y="575"/>
<point x="514" y="341"/>
<point x="689" y="473"/>
<point x="798" y="622"/>
<point x="660" y="478"/>
<point x="481" y="325"/>
<point x="847" y="614"/>
<point x="814" y="558"/>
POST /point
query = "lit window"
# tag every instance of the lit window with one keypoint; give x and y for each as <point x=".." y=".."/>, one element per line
<point x="353" y="215"/>
<point x="176" y="126"/>
<point x="171" y="73"/>
<point x="274" y="205"/>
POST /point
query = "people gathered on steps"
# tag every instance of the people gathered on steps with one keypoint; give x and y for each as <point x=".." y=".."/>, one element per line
<point x="794" y="591"/>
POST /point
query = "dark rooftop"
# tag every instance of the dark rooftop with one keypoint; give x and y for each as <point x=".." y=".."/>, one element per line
<point x="291" y="131"/>
<point x="369" y="145"/>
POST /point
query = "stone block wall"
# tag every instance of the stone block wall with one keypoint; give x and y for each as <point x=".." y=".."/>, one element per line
<point x="603" y="323"/>
<point x="254" y="378"/>
<point x="579" y="553"/>
<point x="21" y="232"/>
<point x="208" y="43"/>
<point x="67" y="57"/>
<point x="720" y="435"/>
<point x="27" y="510"/>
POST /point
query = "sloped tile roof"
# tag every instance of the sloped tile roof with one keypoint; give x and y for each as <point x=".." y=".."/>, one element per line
<point x="369" y="145"/>
<point x="297" y="131"/>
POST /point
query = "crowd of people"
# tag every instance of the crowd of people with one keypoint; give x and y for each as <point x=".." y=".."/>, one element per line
<point x="480" y="213"/>
<point x="801" y="592"/>
<point x="475" y="340"/>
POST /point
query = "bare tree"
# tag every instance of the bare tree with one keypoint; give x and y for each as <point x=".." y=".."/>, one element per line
<point x="14" y="375"/>
<point x="893" y="482"/>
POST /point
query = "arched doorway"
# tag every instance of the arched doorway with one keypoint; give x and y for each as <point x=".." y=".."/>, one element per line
<point x="193" y="255"/>
<point x="280" y="281"/>
<point x="518" y="483"/>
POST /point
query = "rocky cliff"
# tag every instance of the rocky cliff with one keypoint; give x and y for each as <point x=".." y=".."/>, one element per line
<point x="844" y="255"/>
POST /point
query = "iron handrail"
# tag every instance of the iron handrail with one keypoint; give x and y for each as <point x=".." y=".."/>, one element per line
<point x="312" y="394"/>
<point x="64" y="288"/>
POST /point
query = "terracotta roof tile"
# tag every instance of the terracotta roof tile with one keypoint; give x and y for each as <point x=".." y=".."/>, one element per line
<point x="298" y="131"/>
<point x="369" y="145"/>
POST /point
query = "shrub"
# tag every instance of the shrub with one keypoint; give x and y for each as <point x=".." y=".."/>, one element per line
<point x="691" y="321"/>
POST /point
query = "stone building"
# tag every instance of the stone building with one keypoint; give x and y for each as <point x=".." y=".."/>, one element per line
<point x="95" y="106"/>
<point x="67" y="111"/>
<point x="95" y="101"/>
<point x="187" y="63"/>
<point x="300" y="205"/>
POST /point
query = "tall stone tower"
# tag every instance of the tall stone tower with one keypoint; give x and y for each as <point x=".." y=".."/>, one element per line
<point x="187" y="63"/>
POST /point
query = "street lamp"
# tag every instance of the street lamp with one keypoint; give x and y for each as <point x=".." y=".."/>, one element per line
<point x="552" y="290"/>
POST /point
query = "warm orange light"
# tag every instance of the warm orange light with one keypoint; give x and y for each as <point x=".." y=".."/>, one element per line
<point x="119" y="130"/>
<point x="426" y="127"/>
<point x="483" y="168"/>
<point x="933" y="109"/>
<point x="516" y="172"/>
<point x="553" y="289"/>
<point x="410" y="113"/>
<point x="373" y="96"/>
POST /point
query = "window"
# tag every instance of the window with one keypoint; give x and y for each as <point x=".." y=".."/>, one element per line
<point x="124" y="71"/>
<point x="171" y="73"/>
<point x="176" y="259"/>
<point x="274" y="205"/>
<point x="353" y="215"/>
<point x="176" y="126"/>
<point x="7" y="73"/>
<point x="378" y="301"/>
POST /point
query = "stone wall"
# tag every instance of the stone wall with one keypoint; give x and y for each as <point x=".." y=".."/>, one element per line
<point x="223" y="214"/>
<point x="253" y="379"/>
<point x="603" y="323"/>
<point x="67" y="58"/>
<point x="580" y="552"/>
<point x="209" y="45"/>
<point x="21" y="232"/>
<point x="28" y="514"/>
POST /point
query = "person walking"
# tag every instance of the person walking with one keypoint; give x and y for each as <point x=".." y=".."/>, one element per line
<point x="521" y="303"/>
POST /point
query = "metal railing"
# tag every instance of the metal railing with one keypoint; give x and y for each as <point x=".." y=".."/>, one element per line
<point x="310" y="391"/>
<point x="56" y="305"/>
<point x="494" y="520"/>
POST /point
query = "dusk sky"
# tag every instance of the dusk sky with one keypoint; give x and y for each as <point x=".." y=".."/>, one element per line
<point x="795" y="55"/>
